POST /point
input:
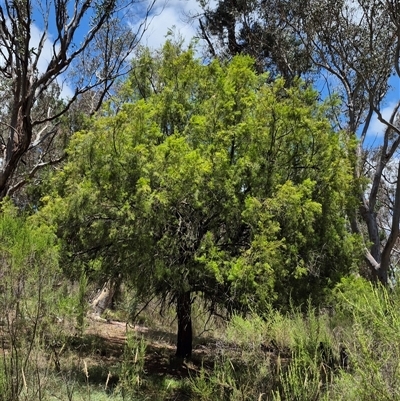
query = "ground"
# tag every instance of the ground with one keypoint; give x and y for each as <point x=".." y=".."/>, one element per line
<point x="110" y="336"/>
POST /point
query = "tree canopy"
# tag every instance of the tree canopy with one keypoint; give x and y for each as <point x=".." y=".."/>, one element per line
<point x="256" y="28"/>
<point x="208" y="179"/>
<point x="349" y="49"/>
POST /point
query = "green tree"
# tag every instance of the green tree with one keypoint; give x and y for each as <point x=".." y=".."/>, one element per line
<point x="356" y="46"/>
<point x="256" y="28"/>
<point x="353" y="48"/>
<point x="208" y="180"/>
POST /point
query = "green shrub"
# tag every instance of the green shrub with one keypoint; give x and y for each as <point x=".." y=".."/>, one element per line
<point x="372" y="342"/>
<point x="132" y="367"/>
<point x="28" y="302"/>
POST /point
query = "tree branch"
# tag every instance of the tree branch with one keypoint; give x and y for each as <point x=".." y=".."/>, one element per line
<point x="31" y="174"/>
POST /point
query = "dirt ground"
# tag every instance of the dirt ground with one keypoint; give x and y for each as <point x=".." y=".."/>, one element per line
<point x="160" y="348"/>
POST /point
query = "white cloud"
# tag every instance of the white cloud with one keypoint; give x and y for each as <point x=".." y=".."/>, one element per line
<point x="171" y="14"/>
<point x="165" y="16"/>
<point x="376" y="128"/>
<point x="47" y="51"/>
<point x="45" y="58"/>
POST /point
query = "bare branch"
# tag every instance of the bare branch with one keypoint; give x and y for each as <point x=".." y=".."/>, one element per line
<point x="31" y="174"/>
<point x="107" y="45"/>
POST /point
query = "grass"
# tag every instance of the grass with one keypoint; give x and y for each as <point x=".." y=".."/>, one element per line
<point x="276" y="357"/>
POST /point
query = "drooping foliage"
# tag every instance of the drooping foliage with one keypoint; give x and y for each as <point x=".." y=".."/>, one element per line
<point x="208" y="179"/>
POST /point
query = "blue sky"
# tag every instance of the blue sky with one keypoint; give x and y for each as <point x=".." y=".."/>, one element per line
<point x="168" y="14"/>
<point x="377" y="128"/>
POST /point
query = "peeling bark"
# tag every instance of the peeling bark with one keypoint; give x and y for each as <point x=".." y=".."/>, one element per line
<point x="102" y="300"/>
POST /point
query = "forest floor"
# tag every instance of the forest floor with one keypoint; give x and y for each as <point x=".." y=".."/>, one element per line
<point x="160" y="348"/>
<point x="104" y="344"/>
<point x="111" y="357"/>
<point x="97" y="357"/>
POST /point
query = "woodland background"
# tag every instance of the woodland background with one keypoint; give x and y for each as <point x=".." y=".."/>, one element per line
<point x="215" y="219"/>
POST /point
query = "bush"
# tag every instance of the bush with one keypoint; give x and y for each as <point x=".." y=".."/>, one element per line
<point x="29" y="275"/>
<point x="372" y="342"/>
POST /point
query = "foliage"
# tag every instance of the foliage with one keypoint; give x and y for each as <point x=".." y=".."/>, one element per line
<point x="29" y="302"/>
<point x="372" y="344"/>
<point x="356" y="45"/>
<point x="350" y="50"/>
<point x="288" y="356"/>
<point x="255" y="28"/>
<point x="132" y="367"/>
<point x="351" y="355"/>
<point x="216" y="182"/>
<point x="82" y="303"/>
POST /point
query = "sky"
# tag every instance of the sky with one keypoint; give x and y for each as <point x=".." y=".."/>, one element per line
<point x="175" y="15"/>
<point x="36" y="34"/>
<point x="165" y="16"/>
<point x="171" y="14"/>
<point x="377" y="128"/>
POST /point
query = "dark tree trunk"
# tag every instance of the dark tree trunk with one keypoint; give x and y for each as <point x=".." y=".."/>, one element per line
<point x="185" y="334"/>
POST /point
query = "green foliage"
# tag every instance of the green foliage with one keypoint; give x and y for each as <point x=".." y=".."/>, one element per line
<point x="208" y="179"/>
<point x="313" y="358"/>
<point x="82" y="303"/>
<point x="28" y="300"/>
<point x="132" y="367"/>
<point x="248" y="333"/>
<point x="363" y="330"/>
<point x="372" y="345"/>
<point x="302" y="382"/>
<point x="280" y="356"/>
<point x="219" y="383"/>
<point x="256" y="28"/>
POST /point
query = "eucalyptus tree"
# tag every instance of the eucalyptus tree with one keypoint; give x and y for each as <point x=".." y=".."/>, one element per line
<point x="210" y="181"/>
<point x="256" y="28"/>
<point x="356" y="46"/>
<point x="46" y="47"/>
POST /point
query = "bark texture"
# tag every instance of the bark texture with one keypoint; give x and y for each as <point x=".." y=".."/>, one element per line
<point x="102" y="300"/>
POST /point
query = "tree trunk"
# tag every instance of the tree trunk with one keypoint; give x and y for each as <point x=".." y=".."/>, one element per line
<point x="185" y="334"/>
<point x="394" y="233"/>
<point x="103" y="299"/>
<point x="373" y="256"/>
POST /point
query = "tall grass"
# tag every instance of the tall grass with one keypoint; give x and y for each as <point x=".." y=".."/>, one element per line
<point x="353" y="354"/>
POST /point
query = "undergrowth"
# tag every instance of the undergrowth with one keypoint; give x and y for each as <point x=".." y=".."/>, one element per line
<point x="306" y="354"/>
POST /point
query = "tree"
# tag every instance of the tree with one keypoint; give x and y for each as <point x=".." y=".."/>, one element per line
<point x="40" y="42"/>
<point x="207" y="180"/>
<point x="357" y="45"/>
<point x="353" y="48"/>
<point x="255" y="28"/>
